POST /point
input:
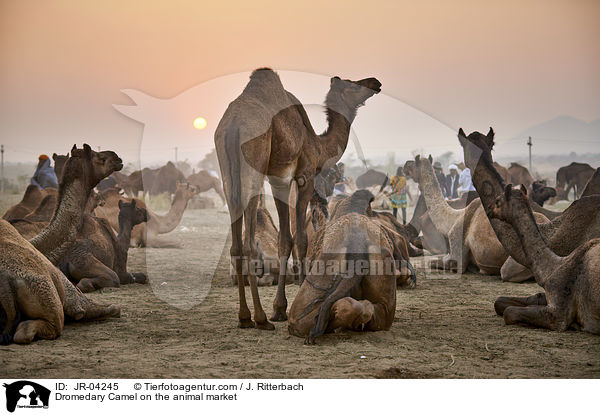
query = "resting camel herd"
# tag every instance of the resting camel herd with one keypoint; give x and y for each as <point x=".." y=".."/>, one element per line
<point x="349" y="259"/>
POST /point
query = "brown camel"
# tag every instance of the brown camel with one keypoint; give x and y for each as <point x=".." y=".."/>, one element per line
<point x="578" y="224"/>
<point x="165" y="180"/>
<point x="345" y="287"/>
<point x="266" y="132"/>
<point x="372" y="178"/>
<point x="34" y="295"/>
<point x="571" y="284"/>
<point x="519" y="175"/>
<point x="574" y="176"/>
<point x="30" y="201"/>
<point x="59" y="163"/>
<point x="204" y="181"/>
<point x="540" y="193"/>
<point x="146" y="234"/>
<point x="99" y="257"/>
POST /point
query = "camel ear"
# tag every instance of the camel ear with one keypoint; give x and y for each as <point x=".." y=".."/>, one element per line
<point x="74" y="148"/>
<point x="418" y="158"/>
<point x="120" y="203"/>
<point x="334" y="80"/>
<point x="461" y="133"/>
<point x="88" y="151"/>
<point x="489" y="138"/>
<point x="524" y="189"/>
<point x="491" y="133"/>
<point x="430" y="159"/>
<point x="54" y="156"/>
<point x="507" y="192"/>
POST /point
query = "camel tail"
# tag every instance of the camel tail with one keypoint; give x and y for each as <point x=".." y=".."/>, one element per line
<point x="233" y="153"/>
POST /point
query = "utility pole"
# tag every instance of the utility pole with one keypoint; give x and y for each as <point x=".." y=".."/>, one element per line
<point x="175" y="155"/>
<point x="2" y="169"/>
<point x="529" y="143"/>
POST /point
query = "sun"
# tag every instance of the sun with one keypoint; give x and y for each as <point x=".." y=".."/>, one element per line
<point x="200" y="123"/>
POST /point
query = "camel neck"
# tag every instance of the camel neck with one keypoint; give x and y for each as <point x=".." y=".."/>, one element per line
<point x="441" y="213"/>
<point x="123" y="241"/>
<point x="335" y="140"/>
<point x="540" y="258"/>
<point x="169" y="222"/>
<point x="57" y="238"/>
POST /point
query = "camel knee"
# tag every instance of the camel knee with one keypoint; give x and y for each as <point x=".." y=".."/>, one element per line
<point x="28" y="330"/>
<point x="350" y="313"/>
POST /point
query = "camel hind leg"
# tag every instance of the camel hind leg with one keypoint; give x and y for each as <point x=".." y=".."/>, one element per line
<point x="79" y="307"/>
<point x="244" y="317"/>
<point x="250" y="252"/>
<point x="537" y="316"/>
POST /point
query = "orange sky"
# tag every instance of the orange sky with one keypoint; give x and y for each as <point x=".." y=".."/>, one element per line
<point x="510" y="64"/>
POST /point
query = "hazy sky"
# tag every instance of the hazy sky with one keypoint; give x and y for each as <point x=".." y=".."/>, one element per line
<point x="471" y="64"/>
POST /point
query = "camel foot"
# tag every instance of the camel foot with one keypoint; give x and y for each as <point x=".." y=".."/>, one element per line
<point x="6" y="339"/>
<point x="309" y="341"/>
<point x="279" y="315"/>
<point x="265" y="325"/>
<point x="86" y="286"/>
<point x="113" y="311"/>
<point x="246" y="324"/>
<point x="140" y="278"/>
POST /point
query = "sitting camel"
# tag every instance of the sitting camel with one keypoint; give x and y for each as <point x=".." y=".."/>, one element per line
<point x="30" y="201"/>
<point x="578" y="224"/>
<point x="146" y="234"/>
<point x="571" y="284"/>
<point x="35" y="296"/>
<point x="99" y="257"/>
<point x="204" y="181"/>
<point x="341" y="290"/>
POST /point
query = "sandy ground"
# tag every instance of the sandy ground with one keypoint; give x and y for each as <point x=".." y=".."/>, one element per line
<point x="183" y="325"/>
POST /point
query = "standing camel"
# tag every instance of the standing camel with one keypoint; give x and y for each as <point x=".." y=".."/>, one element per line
<point x="265" y="132"/>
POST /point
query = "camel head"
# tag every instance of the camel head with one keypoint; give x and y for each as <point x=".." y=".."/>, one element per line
<point x="185" y="189"/>
<point x="476" y="146"/>
<point x="540" y="193"/>
<point x="509" y="204"/>
<point x="128" y="211"/>
<point x="414" y="169"/>
<point x="345" y="96"/>
<point x="59" y="163"/>
<point x="93" y="166"/>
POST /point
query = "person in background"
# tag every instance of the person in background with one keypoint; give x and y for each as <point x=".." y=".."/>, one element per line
<point x="439" y="173"/>
<point x="44" y="175"/>
<point x="340" y="187"/>
<point x="398" y="195"/>
<point x="452" y="182"/>
<point x="465" y="182"/>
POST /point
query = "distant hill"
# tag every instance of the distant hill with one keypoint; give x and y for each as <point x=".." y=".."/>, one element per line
<point x="564" y="129"/>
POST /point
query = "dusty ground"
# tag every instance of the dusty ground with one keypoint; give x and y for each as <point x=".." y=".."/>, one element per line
<point x="446" y="328"/>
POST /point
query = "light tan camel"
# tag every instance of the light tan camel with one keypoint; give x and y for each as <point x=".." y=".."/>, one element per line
<point x="204" y="181"/>
<point x="343" y="289"/>
<point x="34" y="294"/>
<point x="578" y="224"/>
<point x="266" y="132"/>
<point x="99" y="257"/>
<point x="571" y="284"/>
<point x="146" y="234"/>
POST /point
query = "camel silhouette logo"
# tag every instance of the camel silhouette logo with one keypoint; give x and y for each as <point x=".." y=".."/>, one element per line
<point x="26" y="394"/>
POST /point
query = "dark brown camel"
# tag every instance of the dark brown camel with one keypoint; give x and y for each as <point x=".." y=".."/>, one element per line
<point x="59" y="163"/>
<point x="371" y="178"/>
<point x="574" y="176"/>
<point x="519" y="175"/>
<point x="165" y="180"/>
<point x="540" y="193"/>
<point x="578" y="224"/>
<point x="99" y="257"/>
<point x="34" y="295"/>
<point x="266" y="132"/>
<point x="343" y="289"/>
<point x="571" y="284"/>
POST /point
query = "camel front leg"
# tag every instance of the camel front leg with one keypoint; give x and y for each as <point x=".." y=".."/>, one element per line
<point x="502" y="303"/>
<point x="285" y="247"/>
<point x="537" y="316"/>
